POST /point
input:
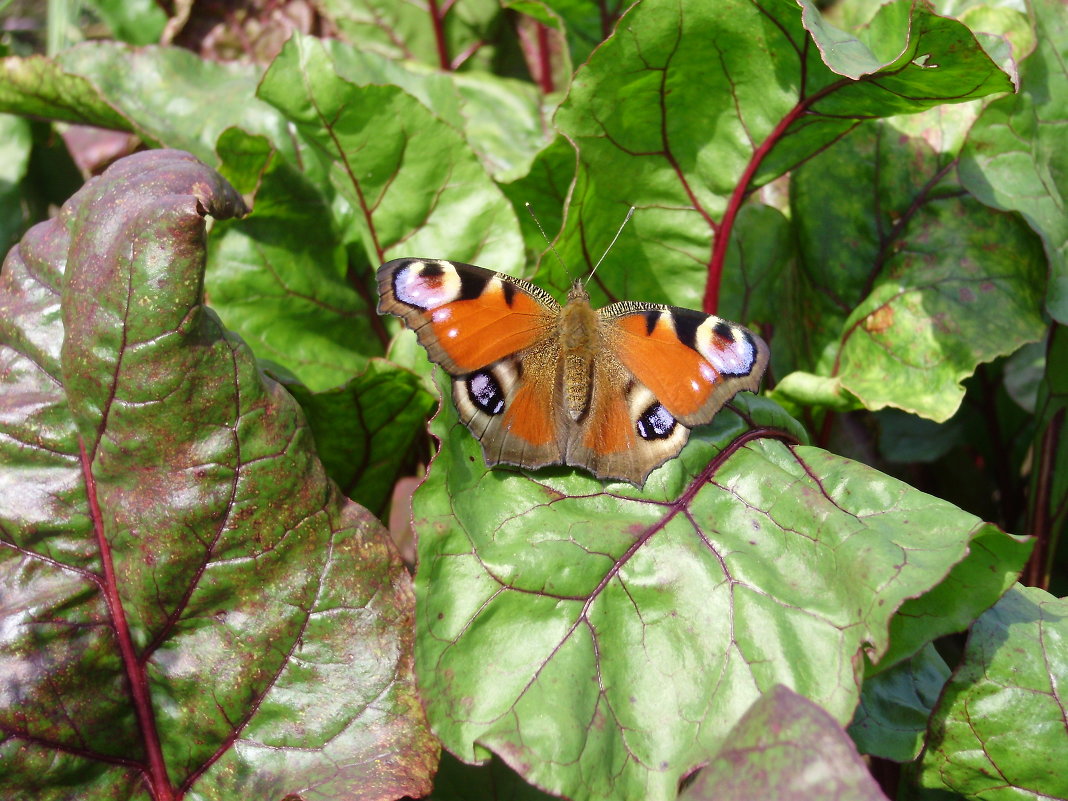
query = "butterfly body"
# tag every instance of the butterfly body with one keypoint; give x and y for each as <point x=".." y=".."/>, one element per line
<point x="613" y="390"/>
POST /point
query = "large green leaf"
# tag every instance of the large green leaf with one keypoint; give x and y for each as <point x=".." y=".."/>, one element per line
<point x="603" y="640"/>
<point x="166" y="95"/>
<point x="1015" y="156"/>
<point x="296" y="298"/>
<point x="504" y="120"/>
<point x="191" y="607"/>
<point x="689" y="105"/>
<point x="909" y="285"/>
<point x="999" y="730"/>
<point x="413" y="183"/>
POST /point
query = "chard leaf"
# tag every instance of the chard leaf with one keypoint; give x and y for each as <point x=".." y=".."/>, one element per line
<point x="191" y="608"/>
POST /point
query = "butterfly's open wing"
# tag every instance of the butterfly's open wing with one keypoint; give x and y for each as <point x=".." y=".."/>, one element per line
<point x="495" y="336"/>
<point x="666" y="370"/>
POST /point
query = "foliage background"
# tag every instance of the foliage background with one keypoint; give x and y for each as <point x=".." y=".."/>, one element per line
<point x="877" y="189"/>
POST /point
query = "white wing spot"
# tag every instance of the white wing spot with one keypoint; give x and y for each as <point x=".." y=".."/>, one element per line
<point x="417" y="290"/>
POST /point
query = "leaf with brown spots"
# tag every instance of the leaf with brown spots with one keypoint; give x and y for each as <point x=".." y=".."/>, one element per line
<point x="190" y="607"/>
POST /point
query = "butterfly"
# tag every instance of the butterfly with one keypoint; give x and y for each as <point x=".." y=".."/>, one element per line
<point x="614" y="390"/>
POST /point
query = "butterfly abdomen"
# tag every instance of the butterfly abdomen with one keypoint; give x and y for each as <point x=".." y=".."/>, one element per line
<point x="580" y="344"/>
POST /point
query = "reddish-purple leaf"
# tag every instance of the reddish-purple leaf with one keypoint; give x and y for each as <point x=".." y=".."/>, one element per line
<point x="190" y="608"/>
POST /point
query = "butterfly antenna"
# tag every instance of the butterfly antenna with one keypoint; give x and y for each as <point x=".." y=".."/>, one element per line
<point x="537" y="222"/>
<point x="611" y="244"/>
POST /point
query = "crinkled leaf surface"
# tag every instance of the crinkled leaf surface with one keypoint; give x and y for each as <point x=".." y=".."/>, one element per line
<point x="191" y="608"/>
<point x="935" y="283"/>
<point x="414" y="184"/>
<point x="603" y="640"/>
<point x="999" y="730"/>
<point x="689" y="104"/>
<point x="503" y="119"/>
<point x="785" y="747"/>
<point x="1015" y="156"/>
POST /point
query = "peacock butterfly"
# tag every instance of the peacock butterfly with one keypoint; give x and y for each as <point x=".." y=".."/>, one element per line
<point x="613" y="390"/>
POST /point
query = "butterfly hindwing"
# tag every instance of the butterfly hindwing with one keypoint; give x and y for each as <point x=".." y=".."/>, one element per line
<point x="627" y="433"/>
<point x="510" y="408"/>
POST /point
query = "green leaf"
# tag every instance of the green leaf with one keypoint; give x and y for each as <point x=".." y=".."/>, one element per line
<point x="166" y="95"/>
<point x="1015" y="156"/>
<point x="296" y="298"/>
<point x="998" y="731"/>
<point x="407" y="30"/>
<point x="989" y="569"/>
<point x="603" y="640"/>
<point x="756" y="264"/>
<point x="936" y="283"/>
<point x="413" y="183"/>
<point x="686" y="107"/>
<point x="16" y="143"/>
<point x="39" y="87"/>
<point x="191" y="606"/>
<point x="783" y="747"/>
<point x="891" y="720"/>
<point x="545" y="188"/>
<point x="364" y="430"/>
<point x="504" y="120"/>
<point x="170" y="96"/>
<point x="138" y="22"/>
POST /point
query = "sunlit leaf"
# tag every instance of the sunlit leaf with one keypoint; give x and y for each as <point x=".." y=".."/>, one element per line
<point x="190" y="605"/>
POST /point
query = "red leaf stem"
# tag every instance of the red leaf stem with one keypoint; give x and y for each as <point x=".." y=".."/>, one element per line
<point x="437" y="19"/>
<point x="741" y="189"/>
<point x="157" y="779"/>
<point x="545" y="61"/>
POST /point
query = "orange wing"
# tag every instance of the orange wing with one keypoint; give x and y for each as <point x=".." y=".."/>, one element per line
<point x="692" y="363"/>
<point x="466" y="317"/>
<point x="496" y="336"/>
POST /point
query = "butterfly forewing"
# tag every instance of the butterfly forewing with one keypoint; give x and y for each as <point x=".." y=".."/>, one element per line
<point x="495" y="335"/>
<point x="466" y="317"/>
